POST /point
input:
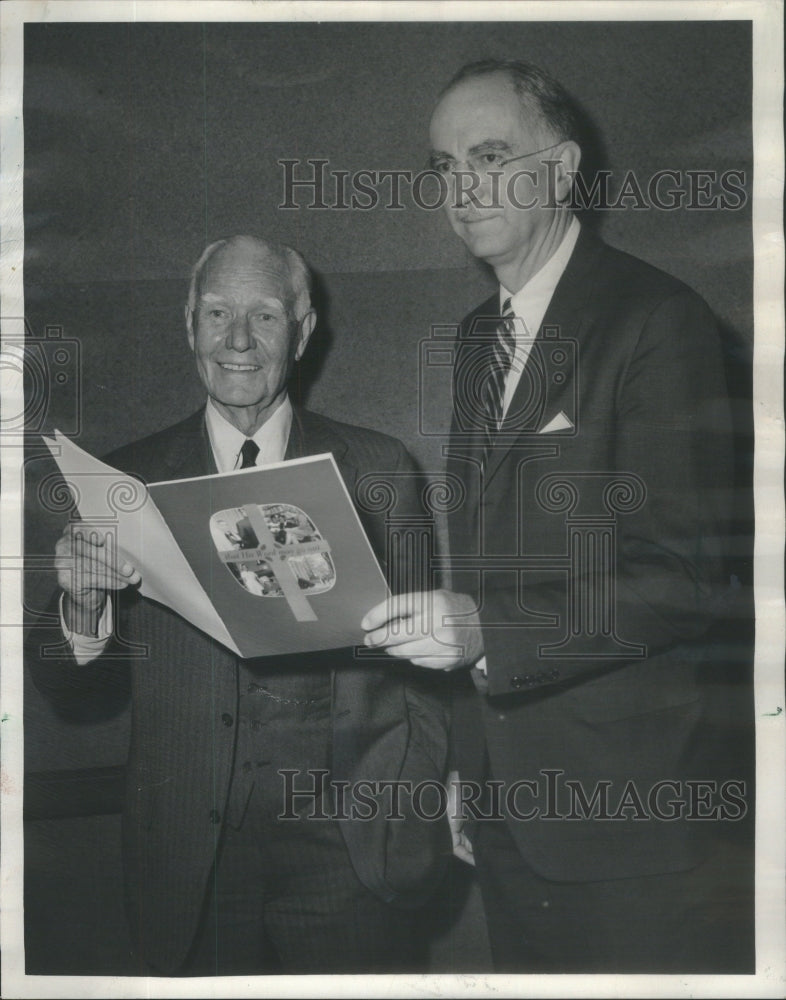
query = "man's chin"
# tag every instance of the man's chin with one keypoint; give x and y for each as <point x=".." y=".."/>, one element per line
<point x="485" y="246"/>
<point x="239" y="390"/>
<point x="238" y="401"/>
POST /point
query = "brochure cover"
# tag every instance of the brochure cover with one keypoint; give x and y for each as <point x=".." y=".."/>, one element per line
<point x="268" y="560"/>
<point x="280" y="552"/>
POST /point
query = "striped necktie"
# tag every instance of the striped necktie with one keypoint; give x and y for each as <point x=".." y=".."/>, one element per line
<point x="249" y="453"/>
<point x="500" y="362"/>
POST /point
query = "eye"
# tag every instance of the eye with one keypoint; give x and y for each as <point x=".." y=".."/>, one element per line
<point x="490" y="159"/>
<point x="217" y="314"/>
<point x="441" y="166"/>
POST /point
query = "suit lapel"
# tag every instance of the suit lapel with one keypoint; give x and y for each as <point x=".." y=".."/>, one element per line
<point x="188" y="452"/>
<point x="310" y="435"/>
<point x="551" y="373"/>
<point x="467" y="441"/>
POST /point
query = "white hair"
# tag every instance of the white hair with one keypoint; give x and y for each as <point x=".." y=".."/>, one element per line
<point x="300" y="279"/>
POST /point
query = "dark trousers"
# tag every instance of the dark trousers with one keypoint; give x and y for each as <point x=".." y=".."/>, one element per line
<point x="697" y="921"/>
<point x="284" y="897"/>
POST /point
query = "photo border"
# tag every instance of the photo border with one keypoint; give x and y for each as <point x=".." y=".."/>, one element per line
<point x="767" y="224"/>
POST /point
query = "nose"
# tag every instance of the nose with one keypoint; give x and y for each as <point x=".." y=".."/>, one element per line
<point x="239" y="336"/>
<point x="465" y="184"/>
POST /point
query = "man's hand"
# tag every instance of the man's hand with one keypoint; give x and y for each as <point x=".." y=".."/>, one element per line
<point x="462" y="847"/>
<point x="436" y="628"/>
<point x="87" y="567"/>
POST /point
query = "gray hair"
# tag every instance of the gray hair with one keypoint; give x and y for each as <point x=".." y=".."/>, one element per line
<point x="300" y="278"/>
<point x="537" y="91"/>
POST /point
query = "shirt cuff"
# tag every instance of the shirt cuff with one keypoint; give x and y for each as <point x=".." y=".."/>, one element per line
<point x="481" y="665"/>
<point x="87" y="648"/>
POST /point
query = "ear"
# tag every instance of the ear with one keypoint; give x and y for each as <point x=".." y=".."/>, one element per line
<point x="306" y="325"/>
<point x="565" y="170"/>
<point x="190" y="326"/>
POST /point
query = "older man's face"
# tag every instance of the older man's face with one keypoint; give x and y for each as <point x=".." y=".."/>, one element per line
<point x="482" y="121"/>
<point x="244" y="335"/>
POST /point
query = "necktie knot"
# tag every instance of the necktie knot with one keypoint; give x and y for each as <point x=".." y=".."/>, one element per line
<point x="249" y="453"/>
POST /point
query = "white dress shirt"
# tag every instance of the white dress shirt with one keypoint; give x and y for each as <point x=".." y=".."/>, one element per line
<point x="226" y="440"/>
<point x="529" y="306"/>
<point x="225" y="443"/>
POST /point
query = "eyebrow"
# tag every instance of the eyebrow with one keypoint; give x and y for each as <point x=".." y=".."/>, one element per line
<point x="267" y="300"/>
<point x="487" y="144"/>
<point x="481" y="147"/>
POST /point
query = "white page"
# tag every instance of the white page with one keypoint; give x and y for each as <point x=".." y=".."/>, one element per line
<point x="112" y="500"/>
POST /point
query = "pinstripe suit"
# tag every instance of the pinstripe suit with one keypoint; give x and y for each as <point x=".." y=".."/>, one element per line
<point x="383" y="724"/>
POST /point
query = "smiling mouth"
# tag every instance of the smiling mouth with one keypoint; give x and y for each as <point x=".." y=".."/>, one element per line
<point x="470" y="220"/>
<point x="238" y="368"/>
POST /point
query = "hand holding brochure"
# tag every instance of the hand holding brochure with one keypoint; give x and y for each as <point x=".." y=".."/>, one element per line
<point x="267" y="560"/>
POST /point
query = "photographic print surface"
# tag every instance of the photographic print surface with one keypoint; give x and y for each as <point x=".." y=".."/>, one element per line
<point x="136" y="135"/>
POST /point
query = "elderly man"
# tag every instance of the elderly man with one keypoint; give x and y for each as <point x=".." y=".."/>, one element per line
<point x="216" y="882"/>
<point x="591" y="431"/>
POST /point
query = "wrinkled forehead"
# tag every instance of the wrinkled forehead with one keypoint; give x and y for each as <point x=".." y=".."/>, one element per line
<point x="247" y="267"/>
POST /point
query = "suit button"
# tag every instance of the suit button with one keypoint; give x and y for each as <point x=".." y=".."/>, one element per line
<point x="554" y="674"/>
<point x="227" y="719"/>
<point x="214" y="816"/>
<point x="517" y="682"/>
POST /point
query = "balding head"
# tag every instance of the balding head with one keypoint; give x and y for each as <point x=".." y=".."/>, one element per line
<point x="544" y="101"/>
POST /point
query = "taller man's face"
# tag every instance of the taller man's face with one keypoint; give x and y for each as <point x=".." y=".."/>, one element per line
<point x="244" y="334"/>
<point x="481" y="122"/>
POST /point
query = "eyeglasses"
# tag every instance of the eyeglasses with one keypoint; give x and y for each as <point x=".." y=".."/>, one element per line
<point x="483" y="163"/>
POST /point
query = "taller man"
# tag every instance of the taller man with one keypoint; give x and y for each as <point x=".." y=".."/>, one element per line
<point x="216" y="882"/>
<point x="591" y="431"/>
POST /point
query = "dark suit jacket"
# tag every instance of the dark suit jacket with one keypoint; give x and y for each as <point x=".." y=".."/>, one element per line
<point x="387" y="723"/>
<point x="632" y="358"/>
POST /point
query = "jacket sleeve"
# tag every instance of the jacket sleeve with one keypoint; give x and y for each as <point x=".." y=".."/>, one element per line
<point x="78" y="693"/>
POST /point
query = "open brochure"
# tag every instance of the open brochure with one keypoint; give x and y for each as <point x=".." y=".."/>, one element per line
<point x="267" y="560"/>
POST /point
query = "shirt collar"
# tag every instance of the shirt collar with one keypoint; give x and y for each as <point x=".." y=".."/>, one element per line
<point x="531" y="302"/>
<point x="226" y="440"/>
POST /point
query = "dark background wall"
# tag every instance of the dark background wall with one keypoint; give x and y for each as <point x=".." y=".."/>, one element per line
<point x="144" y="142"/>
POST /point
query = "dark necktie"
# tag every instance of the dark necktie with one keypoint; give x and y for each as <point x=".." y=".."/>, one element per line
<point x="249" y="453"/>
<point x="500" y="359"/>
